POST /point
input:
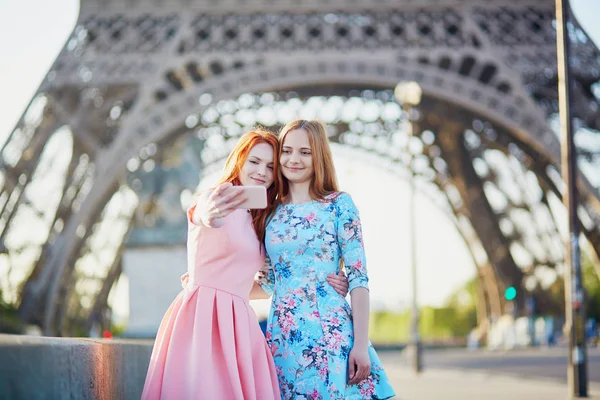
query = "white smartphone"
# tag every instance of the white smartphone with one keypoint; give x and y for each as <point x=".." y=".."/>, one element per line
<point x="256" y="196"/>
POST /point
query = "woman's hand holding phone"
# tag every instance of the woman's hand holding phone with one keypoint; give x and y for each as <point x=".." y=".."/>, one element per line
<point x="213" y="206"/>
<point x="256" y="197"/>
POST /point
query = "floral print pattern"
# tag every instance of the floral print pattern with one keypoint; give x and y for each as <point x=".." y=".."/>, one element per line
<point x="310" y="329"/>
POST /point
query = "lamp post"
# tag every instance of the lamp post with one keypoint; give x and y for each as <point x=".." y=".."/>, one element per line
<point x="530" y="286"/>
<point x="408" y="94"/>
<point x="574" y="298"/>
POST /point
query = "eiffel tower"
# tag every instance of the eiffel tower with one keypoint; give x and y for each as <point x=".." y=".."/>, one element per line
<point x="139" y="83"/>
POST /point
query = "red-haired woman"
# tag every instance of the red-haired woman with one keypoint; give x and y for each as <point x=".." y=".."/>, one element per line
<point x="209" y="344"/>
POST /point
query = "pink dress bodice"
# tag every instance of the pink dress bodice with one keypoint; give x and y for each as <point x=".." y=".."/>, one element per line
<point x="225" y="258"/>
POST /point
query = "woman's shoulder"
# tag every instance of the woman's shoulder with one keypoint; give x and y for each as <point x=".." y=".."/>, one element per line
<point x="335" y="196"/>
<point x="339" y="198"/>
<point x="343" y="204"/>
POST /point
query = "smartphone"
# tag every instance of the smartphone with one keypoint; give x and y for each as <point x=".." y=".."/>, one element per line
<point x="256" y="196"/>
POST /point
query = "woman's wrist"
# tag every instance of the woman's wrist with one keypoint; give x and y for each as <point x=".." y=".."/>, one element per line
<point x="361" y="344"/>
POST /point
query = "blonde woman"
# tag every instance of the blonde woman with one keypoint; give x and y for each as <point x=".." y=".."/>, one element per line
<point x="319" y="343"/>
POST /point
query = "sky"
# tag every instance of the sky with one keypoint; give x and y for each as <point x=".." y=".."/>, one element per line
<point x="33" y="33"/>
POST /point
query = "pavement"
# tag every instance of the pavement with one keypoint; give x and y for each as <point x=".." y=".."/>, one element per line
<point x="467" y="384"/>
<point x="538" y="362"/>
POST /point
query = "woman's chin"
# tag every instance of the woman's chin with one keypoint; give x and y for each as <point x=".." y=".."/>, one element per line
<point x="252" y="182"/>
<point x="297" y="180"/>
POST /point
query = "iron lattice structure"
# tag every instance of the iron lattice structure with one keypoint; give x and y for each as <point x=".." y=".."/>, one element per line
<point x="145" y="88"/>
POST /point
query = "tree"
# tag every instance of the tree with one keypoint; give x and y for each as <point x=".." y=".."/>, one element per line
<point x="591" y="283"/>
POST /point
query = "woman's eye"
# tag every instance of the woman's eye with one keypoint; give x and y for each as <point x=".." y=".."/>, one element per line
<point x="270" y="167"/>
<point x="253" y="162"/>
<point x="306" y="153"/>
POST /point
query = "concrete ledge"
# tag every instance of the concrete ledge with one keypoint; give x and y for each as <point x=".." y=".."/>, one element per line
<point x="33" y="368"/>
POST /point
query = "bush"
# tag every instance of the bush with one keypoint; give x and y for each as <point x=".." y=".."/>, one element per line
<point x="9" y="321"/>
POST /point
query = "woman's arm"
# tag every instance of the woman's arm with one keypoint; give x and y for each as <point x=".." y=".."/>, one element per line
<point x="258" y="293"/>
<point x="350" y="241"/>
<point x="359" y="363"/>
<point x="210" y="208"/>
<point x="360" y="314"/>
<point x="264" y="285"/>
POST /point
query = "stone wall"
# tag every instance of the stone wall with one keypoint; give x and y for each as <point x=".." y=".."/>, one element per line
<point x="33" y="368"/>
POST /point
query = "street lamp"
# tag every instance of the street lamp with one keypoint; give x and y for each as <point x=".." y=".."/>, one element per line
<point x="408" y="94"/>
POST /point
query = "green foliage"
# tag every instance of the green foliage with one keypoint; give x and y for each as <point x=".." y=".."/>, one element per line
<point x="388" y="327"/>
<point x="9" y="322"/>
<point x="591" y="283"/>
<point x="435" y="324"/>
<point x="118" y="329"/>
<point x="456" y="319"/>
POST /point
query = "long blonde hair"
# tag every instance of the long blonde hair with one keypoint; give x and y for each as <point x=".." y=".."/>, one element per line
<point x="324" y="180"/>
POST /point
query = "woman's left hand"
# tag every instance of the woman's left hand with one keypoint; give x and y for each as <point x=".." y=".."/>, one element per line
<point x="359" y="365"/>
<point x="339" y="282"/>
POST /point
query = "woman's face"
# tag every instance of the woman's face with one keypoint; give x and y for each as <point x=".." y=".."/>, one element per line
<point x="258" y="168"/>
<point x="296" y="157"/>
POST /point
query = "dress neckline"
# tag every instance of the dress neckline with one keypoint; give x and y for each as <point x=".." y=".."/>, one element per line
<point x="326" y="200"/>
<point x="300" y="204"/>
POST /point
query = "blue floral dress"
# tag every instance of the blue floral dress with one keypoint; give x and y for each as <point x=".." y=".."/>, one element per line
<point x="310" y="329"/>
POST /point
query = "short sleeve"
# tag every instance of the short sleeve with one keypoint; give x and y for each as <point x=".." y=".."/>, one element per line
<point x="266" y="277"/>
<point x="350" y="241"/>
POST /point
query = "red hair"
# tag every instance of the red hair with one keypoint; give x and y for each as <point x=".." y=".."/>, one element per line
<point x="233" y="167"/>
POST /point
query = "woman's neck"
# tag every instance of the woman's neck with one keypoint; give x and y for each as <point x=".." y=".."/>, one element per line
<point x="298" y="193"/>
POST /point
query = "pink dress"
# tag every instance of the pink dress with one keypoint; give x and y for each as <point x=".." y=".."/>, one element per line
<point x="209" y="344"/>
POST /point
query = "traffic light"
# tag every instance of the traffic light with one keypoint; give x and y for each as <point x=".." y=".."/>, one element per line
<point x="510" y="293"/>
